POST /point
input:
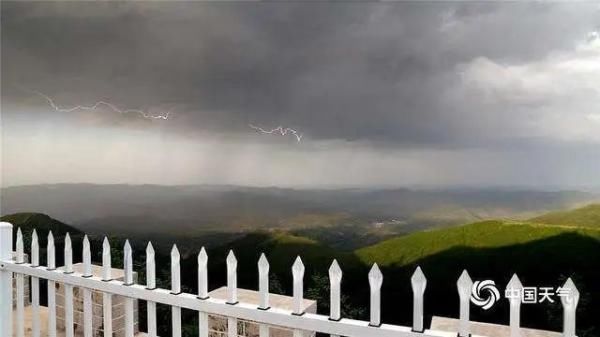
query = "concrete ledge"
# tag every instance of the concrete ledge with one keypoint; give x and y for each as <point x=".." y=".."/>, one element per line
<point x="28" y="314"/>
<point x="217" y="325"/>
<point x="275" y="300"/>
<point x="487" y="329"/>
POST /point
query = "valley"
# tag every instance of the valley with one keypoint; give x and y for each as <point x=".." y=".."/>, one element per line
<point x="543" y="251"/>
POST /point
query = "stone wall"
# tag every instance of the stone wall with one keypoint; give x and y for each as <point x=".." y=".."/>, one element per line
<point x="118" y="307"/>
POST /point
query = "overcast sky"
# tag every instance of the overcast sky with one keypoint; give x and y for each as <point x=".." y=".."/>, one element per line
<point x="383" y="94"/>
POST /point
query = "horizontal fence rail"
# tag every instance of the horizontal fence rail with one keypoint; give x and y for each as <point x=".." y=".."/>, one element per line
<point x="263" y="314"/>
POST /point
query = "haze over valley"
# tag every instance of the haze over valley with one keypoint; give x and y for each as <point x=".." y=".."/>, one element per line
<point x="341" y="217"/>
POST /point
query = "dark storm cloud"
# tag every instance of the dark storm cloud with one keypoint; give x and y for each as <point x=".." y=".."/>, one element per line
<point x="356" y="71"/>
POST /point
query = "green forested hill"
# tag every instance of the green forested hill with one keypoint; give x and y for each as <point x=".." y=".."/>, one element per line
<point x="41" y="222"/>
<point x="541" y="254"/>
<point x="411" y="248"/>
<point x="588" y="216"/>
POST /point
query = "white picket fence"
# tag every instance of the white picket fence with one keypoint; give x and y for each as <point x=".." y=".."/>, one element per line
<point x="264" y="315"/>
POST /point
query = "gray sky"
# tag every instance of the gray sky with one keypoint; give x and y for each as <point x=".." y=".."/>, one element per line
<point x="384" y="94"/>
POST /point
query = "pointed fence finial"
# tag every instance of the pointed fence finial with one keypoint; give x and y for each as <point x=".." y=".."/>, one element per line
<point x="375" y="282"/>
<point x="150" y="267"/>
<point x="335" y="281"/>
<point x="87" y="258"/>
<point x="263" y="282"/>
<point x="465" y="287"/>
<point x="298" y="276"/>
<point x="231" y="278"/>
<point x="418" y="282"/>
<point x="514" y="293"/>
<point x="68" y="255"/>
<point x="127" y="264"/>
<point x="35" y="249"/>
<point x="202" y="274"/>
<point x="175" y="271"/>
<point x="50" y="252"/>
<point x="19" y="245"/>
<point x="569" y="299"/>
<point x="106" y="261"/>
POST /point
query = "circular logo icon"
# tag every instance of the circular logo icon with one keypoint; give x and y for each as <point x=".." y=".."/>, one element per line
<point x="485" y="294"/>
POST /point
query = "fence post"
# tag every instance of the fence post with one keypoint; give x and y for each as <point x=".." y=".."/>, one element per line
<point x="175" y="290"/>
<point x="128" y="281"/>
<point x="375" y="282"/>
<point x="232" y="327"/>
<point x="20" y="314"/>
<point x="202" y="291"/>
<point x="150" y="285"/>
<point x="514" y="291"/>
<point x="335" y="280"/>
<point x="202" y="274"/>
<point x="569" y="302"/>
<point x="418" y="283"/>
<point x="51" y="265"/>
<point x="88" y="316"/>
<point x="106" y="297"/>
<point x="465" y="286"/>
<point x="263" y="289"/>
<point x="68" y="269"/>
<point x="35" y="286"/>
<point x="298" y="291"/>
<point x="263" y="282"/>
<point x="231" y="278"/>
<point x="6" y="299"/>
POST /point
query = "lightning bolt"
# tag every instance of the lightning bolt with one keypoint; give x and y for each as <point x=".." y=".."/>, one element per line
<point x="98" y="104"/>
<point x="279" y="130"/>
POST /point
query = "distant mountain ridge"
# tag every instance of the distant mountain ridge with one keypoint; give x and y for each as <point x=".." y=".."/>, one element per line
<point x="587" y="216"/>
<point x="201" y="209"/>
